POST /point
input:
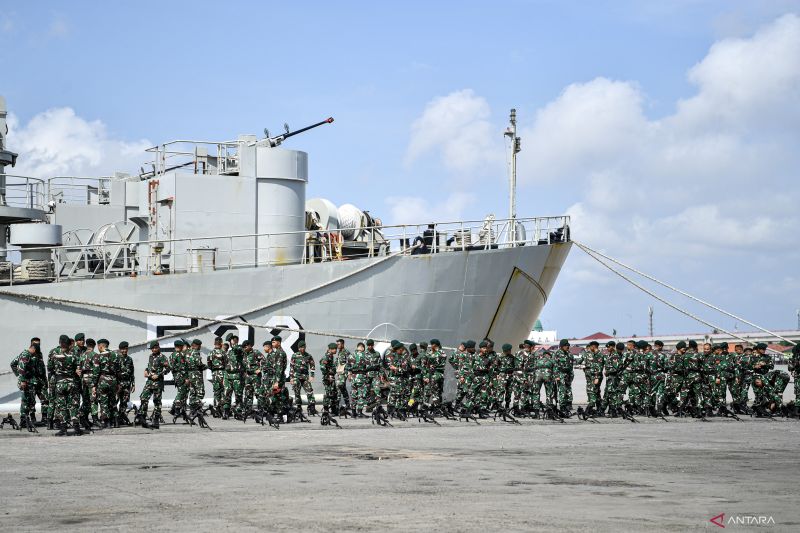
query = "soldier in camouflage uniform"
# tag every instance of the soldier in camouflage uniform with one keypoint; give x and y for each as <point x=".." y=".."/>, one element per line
<point x="274" y="376"/>
<point x="177" y="363"/>
<point x="41" y="379"/>
<point x="504" y="377"/>
<point x="743" y="377"/>
<point x="374" y="371"/>
<point x="24" y="368"/>
<point x="691" y="365"/>
<point x="216" y="362"/>
<point x="723" y="376"/>
<point x="157" y="368"/>
<point x="708" y="379"/>
<point x="62" y="349"/>
<point x="79" y="349"/>
<point x="234" y="381"/>
<point x="251" y="362"/>
<point x="127" y="381"/>
<point x="88" y="400"/>
<point x="634" y="376"/>
<point x="357" y="367"/>
<point x="524" y="378"/>
<point x="465" y="376"/>
<point x="301" y="376"/>
<point x="342" y="356"/>
<point x="435" y="362"/>
<point x="64" y="374"/>
<point x="457" y="359"/>
<point x="794" y="368"/>
<point x="593" y="362"/>
<point x="327" y="368"/>
<point x="544" y="364"/>
<point x="564" y="374"/>
<point x="105" y="375"/>
<point x="765" y="397"/>
<point x="657" y="369"/>
<point x="615" y="364"/>
<point x="415" y="385"/>
<point x="397" y="374"/>
<point x="195" y="366"/>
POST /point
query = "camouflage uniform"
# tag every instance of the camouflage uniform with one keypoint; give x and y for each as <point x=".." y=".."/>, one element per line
<point x="692" y="389"/>
<point x="51" y="383"/>
<point x="458" y="359"/>
<point x="593" y="363"/>
<point x="357" y="366"/>
<point x="762" y="387"/>
<point x="374" y="365"/>
<point x="217" y="361"/>
<point x="480" y="390"/>
<point x="635" y="378"/>
<point x="563" y="374"/>
<point x="657" y="371"/>
<point x="41" y="382"/>
<point x="397" y="373"/>
<point x="157" y="367"/>
<point x="273" y="378"/>
<point x="301" y="374"/>
<point x="327" y="368"/>
<point x="252" y="378"/>
<point x="720" y="379"/>
<point x="177" y="363"/>
<point x="62" y="368"/>
<point x="24" y="368"/>
<point x="127" y="381"/>
<point x="106" y="381"/>
<point x="743" y="377"/>
<point x="342" y="356"/>
<point x="194" y="373"/>
<point x="504" y="378"/>
<point x="794" y="368"/>
<point x="525" y="377"/>
<point x="544" y="364"/>
<point x="234" y="381"/>
<point x="435" y="361"/>
<point x="614" y="392"/>
<point x="88" y="400"/>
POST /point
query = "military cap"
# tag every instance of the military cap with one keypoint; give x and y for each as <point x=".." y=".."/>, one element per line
<point x="527" y="342"/>
<point x="564" y="342"/>
<point x="436" y="342"/>
<point x="103" y="341"/>
<point x="796" y="349"/>
<point x="693" y="344"/>
<point x="229" y="336"/>
<point x="277" y="338"/>
<point x="483" y="344"/>
<point x="90" y="342"/>
<point x="469" y="344"/>
<point x="681" y="345"/>
<point x="266" y="342"/>
<point x="217" y="340"/>
<point x="247" y="342"/>
<point x="658" y="343"/>
<point x="63" y="339"/>
<point x="412" y="347"/>
<point x="761" y="346"/>
<point x="154" y="344"/>
<point x="423" y="345"/>
<point x="609" y="344"/>
<point x="748" y="349"/>
<point x="370" y="342"/>
<point x="620" y="346"/>
<point x="301" y="344"/>
<point x="80" y="337"/>
<point x="332" y="346"/>
<point x="123" y="344"/>
<point x="489" y="343"/>
<point x="395" y="343"/>
<point x="35" y="339"/>
<point x="197" y="342"/>
<point x="641" y="345"/>
<point x="594" y="343"/>
<point x="340" y="340"/>
<point x="506" y="347"/>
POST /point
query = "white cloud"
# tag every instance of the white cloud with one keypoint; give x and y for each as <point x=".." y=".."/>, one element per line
<point x="418" y="210"/>
<point x="719" y="174"/>
<point x="57" y="142"/>
<point x="457" y="128"/>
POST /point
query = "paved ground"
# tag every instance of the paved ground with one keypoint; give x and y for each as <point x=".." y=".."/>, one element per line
<point x="578" y="476"/>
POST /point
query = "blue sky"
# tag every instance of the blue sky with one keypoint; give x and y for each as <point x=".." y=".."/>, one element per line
<point x="624" y="108"/>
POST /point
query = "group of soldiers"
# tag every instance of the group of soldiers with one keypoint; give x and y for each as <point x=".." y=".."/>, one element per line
<point x="83" y="378"/>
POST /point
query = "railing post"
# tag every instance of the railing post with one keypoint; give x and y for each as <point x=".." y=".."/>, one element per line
<point x="230" y="253"/>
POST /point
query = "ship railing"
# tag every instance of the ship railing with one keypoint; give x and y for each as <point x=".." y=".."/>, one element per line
<point x="204" y="157"/>
<point x="81" y="190"/>
<point x="230" y="252"/>
<point x="24" y="191"/>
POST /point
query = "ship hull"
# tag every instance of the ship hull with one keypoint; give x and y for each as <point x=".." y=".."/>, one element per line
<point x="451" y="296"/>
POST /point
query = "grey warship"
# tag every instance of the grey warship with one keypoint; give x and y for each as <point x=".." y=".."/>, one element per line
<point x="218" y="236"/>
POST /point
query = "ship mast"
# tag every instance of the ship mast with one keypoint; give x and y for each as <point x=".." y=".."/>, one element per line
<point x="511" y="132"/>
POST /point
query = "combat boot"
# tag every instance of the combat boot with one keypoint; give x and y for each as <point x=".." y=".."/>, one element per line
<point x="312" y="409"/>
<point x="50" y="424"/>
<point x="62" y="429"/>
<point x="76" y="426"/>
<point x="226" y="413"/>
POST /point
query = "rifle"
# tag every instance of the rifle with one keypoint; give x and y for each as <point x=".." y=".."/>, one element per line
<point x="724" y="411"/>
<point x="551" y="413"/>
<point x="506" y="416"/>
<point x="326" y="419"/>
<point x="296" y="413"/>
<point x="197" y="414"/>
<point x="9" y="419"/>
<point x="381" y="417"/>
<point x="627" y="412"/>
<point x="424" y="415"/>
<point x="586" y="415"/>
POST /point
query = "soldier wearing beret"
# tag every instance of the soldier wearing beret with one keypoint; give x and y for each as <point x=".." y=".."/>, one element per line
<point x="301" y="377"/>
<point x="157" y="368"/>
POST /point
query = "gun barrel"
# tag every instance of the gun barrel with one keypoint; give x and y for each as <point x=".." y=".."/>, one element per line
<point x="301" y="130"/>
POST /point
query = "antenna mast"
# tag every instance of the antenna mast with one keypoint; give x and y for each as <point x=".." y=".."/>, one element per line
<point x="650" y="314"/>
<point x="511" y="132"/>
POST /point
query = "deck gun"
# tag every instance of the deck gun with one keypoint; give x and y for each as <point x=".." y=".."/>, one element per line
<point x="272" y="142"/>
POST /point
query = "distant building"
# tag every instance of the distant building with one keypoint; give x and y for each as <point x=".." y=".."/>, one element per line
<point x="670" y="341"/>
<point x="540" y="336"/>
